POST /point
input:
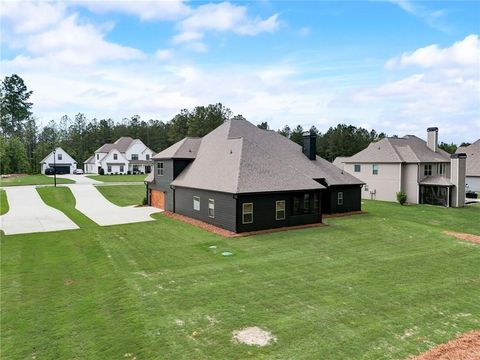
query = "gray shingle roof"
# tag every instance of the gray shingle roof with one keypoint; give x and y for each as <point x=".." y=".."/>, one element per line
<point x="436" y="180"/>
<point x="184" y="149"/>
<point x="90" y="160"/>
<point x="122" y="144"/>
<point x="473" y="158"/>
<point x="238" y="157"/>
<point x="409" y="149"/>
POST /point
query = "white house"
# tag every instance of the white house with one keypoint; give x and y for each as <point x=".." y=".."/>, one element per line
<point x="126" y="155"/>
<point x="59" y="158"/>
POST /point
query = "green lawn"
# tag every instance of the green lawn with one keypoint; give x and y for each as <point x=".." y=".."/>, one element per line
<point x="377" y="286"/>
<point x="123" y="195"/>
<point x="118" y="178"/>
<point x="38" y="179"/>
<point x="3" y="202"/>
<point x="63" y="199"/>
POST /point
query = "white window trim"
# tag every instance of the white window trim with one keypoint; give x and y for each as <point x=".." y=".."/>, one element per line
<point x="375" y="167"/>
<point x="425" y="172"/>
<point x="359" y="168"/>
<point x="196" y="198"/>
<point x="441" y="169"/>
<point x="246" y="213"/>
<point x="277" y="211"/>
<point x="162" y="168"/>
<point x="212" y="208"/>
<point x="340" y="198"/>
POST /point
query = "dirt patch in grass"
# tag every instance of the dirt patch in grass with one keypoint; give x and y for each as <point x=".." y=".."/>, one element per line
<point x="68" y="282"/>
<point x="463" y="236"/>
<point x="253" y="336"/>
<point x="465" y="347"/>
<point x="326" y="216"/>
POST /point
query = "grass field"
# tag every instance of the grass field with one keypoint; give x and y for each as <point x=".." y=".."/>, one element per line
<point x="378" y="286"/>
<point x="38" y="179"/>
<point x="123" y="195"/>
<point x="3" y="202"/>
<point x="118" y="178"/>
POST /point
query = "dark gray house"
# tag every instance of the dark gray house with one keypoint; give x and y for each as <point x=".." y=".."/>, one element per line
<point x="242" y="178"/>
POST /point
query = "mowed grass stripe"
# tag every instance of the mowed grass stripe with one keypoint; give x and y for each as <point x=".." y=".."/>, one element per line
<point x="350" y="290"/>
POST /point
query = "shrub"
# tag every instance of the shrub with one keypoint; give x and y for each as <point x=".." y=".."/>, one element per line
<point x="401" y="197"/>
<point x="101" y="172"/>
<point x="144" y="202"/>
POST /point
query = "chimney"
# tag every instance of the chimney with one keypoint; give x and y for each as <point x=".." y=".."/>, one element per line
<point x="432" y="138"/>
<point x="457" y="177"/>
<point x="310" y="145"/>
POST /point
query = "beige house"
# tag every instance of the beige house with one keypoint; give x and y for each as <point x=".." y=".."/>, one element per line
<point x="426" y="173"/>
<point x="473" y="165"/>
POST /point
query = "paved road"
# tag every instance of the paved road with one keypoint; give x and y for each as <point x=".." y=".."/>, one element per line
<point x="94" y="205"/>
<point x="29" y="214"/>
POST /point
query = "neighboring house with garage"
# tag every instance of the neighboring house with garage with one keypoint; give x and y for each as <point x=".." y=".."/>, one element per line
<point x="60" y="160"/>
<point x="426" y="173"/>
<point x="242" y="178"/>
<point x="473" y="165"/>
<point x="124" y="156"/>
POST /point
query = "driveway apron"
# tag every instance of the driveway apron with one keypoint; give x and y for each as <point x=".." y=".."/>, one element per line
<point x="95" y="206"/>
<point x="29" y="214"/>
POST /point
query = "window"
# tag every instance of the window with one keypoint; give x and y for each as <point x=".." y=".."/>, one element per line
<point x="427" y="169"/>
<point x="296" y="205"/>
<point x="306" y="203"/>
<point x="160" y="169"/>
<point x="357" y="168"/>
<point x="109" y="168"/>
<point x="135" y="168"/>
<point x="147" y="156"/>
<point x="211" y="208"/>
<point x="441" y="169"/>
<point x="98" y="157"/>
<point x="134" y="156"/>
<point x="121" y="168"/>
<point x="280" y="210"/>
<point x="366" y="187"/>
<point x="247" y="213"/>
<point x="196" y="203"/>
<point x="115" y="156"/>
<point x="340" y="198"/>
<point x="375" y="169"/>
<point x="59" y="156"/>
<point x="316" y="202"/>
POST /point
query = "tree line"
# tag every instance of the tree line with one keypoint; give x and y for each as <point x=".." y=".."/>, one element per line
<point x="23" y="144"/>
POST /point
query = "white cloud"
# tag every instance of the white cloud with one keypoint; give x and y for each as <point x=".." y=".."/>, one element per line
<point x="163" y="54"/>
<point x="28" y="17"/>
<point x="59" y="39"/>
<point x="143" y="9"/>
<point x="433" y="18"/>
<point x="222" y="17"/>
<point x="462" y="53"/>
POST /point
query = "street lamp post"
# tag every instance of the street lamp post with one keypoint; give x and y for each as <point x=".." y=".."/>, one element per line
<point x="54" y="167"/>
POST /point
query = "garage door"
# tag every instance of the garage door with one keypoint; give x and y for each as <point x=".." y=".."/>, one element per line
<point x="62" y="169"/>
<point x="157" y="199"/>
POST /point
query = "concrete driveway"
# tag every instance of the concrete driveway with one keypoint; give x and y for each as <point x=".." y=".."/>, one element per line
<point x="29" y="214"/>
<point x="95" y="206"/>
<point x="79" y="179"/>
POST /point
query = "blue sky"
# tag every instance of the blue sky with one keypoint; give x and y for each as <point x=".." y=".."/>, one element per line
<point x="395" y="66"/>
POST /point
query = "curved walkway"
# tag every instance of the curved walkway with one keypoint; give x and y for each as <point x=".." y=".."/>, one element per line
<point x="29" y="214"/>
<point x="95" y="206"/>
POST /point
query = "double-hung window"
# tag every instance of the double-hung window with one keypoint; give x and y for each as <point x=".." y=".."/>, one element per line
<point x="375" y="169"/>
<point x="306" y="203"/>
<point x="196" y="203"/>
<point x="115" y="156"/>
<point x="427" y="170"/>
<point x="280" y="210"/>
<point x="147" y="156"/>
<point x="340" y="198"/>
<point x="441" y="169"/>
<point x="316" y="201"/>
<point x="134" y="156"/>
<point x="211" y="208"/>
<point x="357" y="168"/>
<point x="247" y="213"/>
<point x="160" y="169"/>
<point x="121" y="168"/>
<point x="109" y="168"/>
